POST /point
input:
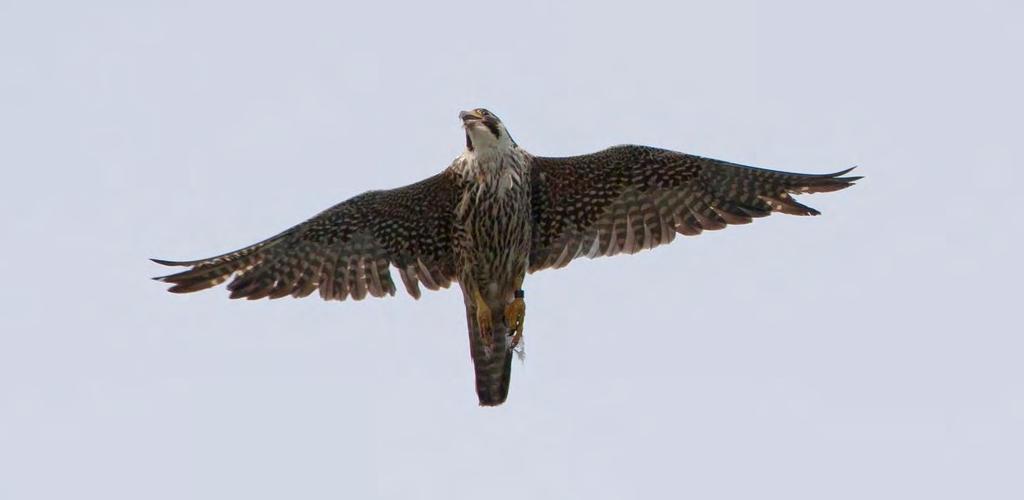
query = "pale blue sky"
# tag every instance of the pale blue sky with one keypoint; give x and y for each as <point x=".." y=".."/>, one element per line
<point x="872" y="352"/>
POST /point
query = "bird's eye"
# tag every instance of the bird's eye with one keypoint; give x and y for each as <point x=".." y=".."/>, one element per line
<point x="485" y="112"/>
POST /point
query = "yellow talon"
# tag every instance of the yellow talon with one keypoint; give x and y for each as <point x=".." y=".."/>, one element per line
<point x="515" y="313"/>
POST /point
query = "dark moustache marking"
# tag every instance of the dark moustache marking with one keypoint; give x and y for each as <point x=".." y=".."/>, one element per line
<point x="493" y="127"/>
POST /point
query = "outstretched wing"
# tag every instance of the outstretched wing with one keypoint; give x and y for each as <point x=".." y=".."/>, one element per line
<point x="630" y="198"/>
<point x="345" y="251"/>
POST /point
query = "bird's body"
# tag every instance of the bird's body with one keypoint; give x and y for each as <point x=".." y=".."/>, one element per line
<point x="492" y="221"/>
<point x="491" y="217"/>
<point x="492" y="229"/>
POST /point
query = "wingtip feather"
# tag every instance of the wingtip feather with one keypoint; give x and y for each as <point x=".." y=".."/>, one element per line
<point x="169" y="263"/>
<point x="840" y="173"/>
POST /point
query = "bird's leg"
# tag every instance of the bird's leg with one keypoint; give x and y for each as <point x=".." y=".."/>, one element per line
<point x="483" y="320"/>
<point x="515" y="313"/>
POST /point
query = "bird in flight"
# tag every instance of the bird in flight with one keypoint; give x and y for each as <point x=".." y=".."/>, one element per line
<point x="494" y="215"/>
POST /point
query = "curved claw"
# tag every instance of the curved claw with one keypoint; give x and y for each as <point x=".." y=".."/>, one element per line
<point x="515" y="313"/>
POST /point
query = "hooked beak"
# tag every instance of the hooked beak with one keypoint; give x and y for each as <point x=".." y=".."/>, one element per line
<point x="470" y="116"/>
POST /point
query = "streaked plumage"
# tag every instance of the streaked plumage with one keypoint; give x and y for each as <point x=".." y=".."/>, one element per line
<point x="495" y="214"/>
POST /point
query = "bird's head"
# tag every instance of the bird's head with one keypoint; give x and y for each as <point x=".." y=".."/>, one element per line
<point x="485" y="132"/>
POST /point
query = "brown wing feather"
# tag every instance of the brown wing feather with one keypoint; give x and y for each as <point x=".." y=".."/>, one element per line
<point x="630" y="198"/>
<point x="345" y="251"/>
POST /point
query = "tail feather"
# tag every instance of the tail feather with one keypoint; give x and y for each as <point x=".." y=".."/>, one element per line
<point x="492" y="365"/>
<point x="493" y="377"/>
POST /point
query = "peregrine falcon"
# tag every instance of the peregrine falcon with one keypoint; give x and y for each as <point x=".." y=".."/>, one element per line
<point x="496" y="213"/>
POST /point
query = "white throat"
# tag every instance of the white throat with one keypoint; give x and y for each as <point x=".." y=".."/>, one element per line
<point x="485" y="144"/>
<point x="495" y="165"/>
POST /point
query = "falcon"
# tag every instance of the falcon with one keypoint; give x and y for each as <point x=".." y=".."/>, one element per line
<point x="494" y="215"/>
